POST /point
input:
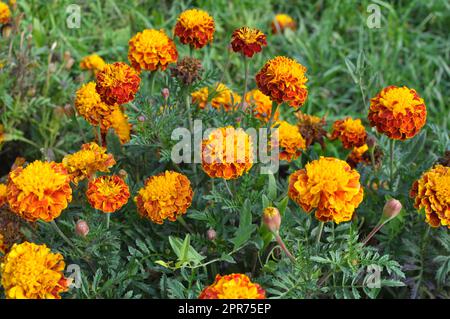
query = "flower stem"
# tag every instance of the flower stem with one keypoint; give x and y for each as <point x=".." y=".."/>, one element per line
<point x="64" y="237"/>
<point x="245" y="80"/>
<point x="391" y="161"/>
<point x="152" y="82"/>
<point x="227" y="187"/>
<point x="108" y="219"/>
<point x="184" y="224"/>
<point x="319" y="234"/>
<point x="283" y="247"/>
<point x="372" y="233"/>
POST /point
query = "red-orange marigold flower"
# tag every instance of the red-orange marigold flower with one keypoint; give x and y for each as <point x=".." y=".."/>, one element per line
<point x="261" y="105"/>
<point x="107" y="193"/>
<point x="117" y="83"/>
<point x="350" y="132"/>
<point x="282" y="22"/>
<point x="283" y="80"/>
<point x="398" y="112"/>
<point x="234" y="286"/>
<point x="195" y="27"/>
<point x="248" y="41"/>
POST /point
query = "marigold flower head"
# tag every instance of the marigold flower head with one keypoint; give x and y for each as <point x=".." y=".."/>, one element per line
<point x="221" y="97"/>
<point x="92" y="62"/>
<point x="31" y="271"/>
<point x="248" y="41"/>
<point x="290" y="141"/>
<point x="397" y="112"/>
<point x="328" y="185"/>
<point x="234" y="286"/>
<point x="3" y="193"/>
<point x="261" y="105"/>
<point x="90" y="159"/>
<point x="350" y="132"/>
<point x="282" y="22"/>
<point x="164" y="196"/>
<point x="432" y="193"/>
<point x="283" y="80"/>
<point x="107" y="193"/>
<point x="5" y="13"/>
<point x="151" y="50"/>
<point x="362" y="155"/>
<point x="227" y="153"/>
<point x="195" y="27"/>
<point x="118" y="121"/>
<point x="312" y="128"/>
<point x="2" y="245"/>
<point x="188" y="71"/>
<point x="200" y="97"/>
<point x="39" y="191"/>
<point x="89" y="104"/>
<point x="117" y="83"/>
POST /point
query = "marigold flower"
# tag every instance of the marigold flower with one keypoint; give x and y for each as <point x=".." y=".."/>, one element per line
<point x="282" y="22"/>
<point x="188" y="70"/>
<point x="283" y="80"/>
<point x="222" y="97"/>
<point x="10" y="229"/>
<point x="5" y="13"/>
<point x="92" y="62"/>
<point x="398" y="112"/>
<point x="362" y="155"/>
<point x="272" y="219"/>
<point x="227" y="153"/>
<point x="164" y="196"/>
<point x="90" y="159"/>
<point x="312" y="128"/>
<point x="3" y="193"/>
<point x="118" y="121"/>
<point x="234" y="286"/>
<point x="290" y="140"/>
<point x="151" y="50"/>
<point x="195" y="27"/>
<point x="117" y="83"/>
<point x="248" y="41"/>
<point x="107" y="193"/>
<point x="200" y="97"/>
<point x="328" y="185"/>
<point x="89" y="104"/>
<point x="432" y="193"/>
<point x="350" y="132"/>
<point x="261" y="105"/>
<point x="31" y="271"/>
<point x="2" y="245"/>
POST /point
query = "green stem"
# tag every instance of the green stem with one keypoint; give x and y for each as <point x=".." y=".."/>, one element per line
<point x="319" y="235"/>
<point x="184" y="224"/>
<point x="372" y="233"/>
<point x="108" y="220"/>
<point x="283" y="247"/>
<point x="227" y="187"/>
<point x="245" y="80"/>
<point x="391" y="161"/>
<point x="64" y="237"/>
<point x="152" y="82"/>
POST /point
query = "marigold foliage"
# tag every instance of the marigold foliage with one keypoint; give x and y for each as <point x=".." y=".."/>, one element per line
<point x="195" y="28"/>
<point x="3" y="194"/>
<point x="261" y="105"/>
<point x="248" y="41"/>
<point x="398" y="112"/>
<point x="90" y="105"/>
<point x="291" y="142"/>
<point x="151" y="50"/>
<point x="227" y="153"/>
<point x="350" y="132"/>
<point x="328" y="185"/>
<point x="92" y="62"/>
<point x="5" y="13"/>
<point x="31" y="271"/>
<point x="283" y="80"/>
<point x="432" y="193"/>
<point x="282" y="22"/>
<point x="234" y="286"/>
<point x="312" y="128"/>
<point x="164" y="196"/>
<point x="107" y="193"/>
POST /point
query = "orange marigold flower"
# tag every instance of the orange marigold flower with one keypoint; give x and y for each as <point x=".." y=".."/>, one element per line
<point x="151" y="50"/>
<point x="5" y="13"/>
<point x="398" y="112"/>
<point x="90" y="159"/>
<point x="3" y="193"/>
<point x="283" y="80"/>
<point x="195" y="27"/>
<point x="2" y="245"/>
<point x="31" y="271"/>
<point x="89" y="104"/>
<point x="107" y="193"/>
<point x="282" y="22"/>
<point x="222" y="97"/>
<point x="248" y="41"/>
<point x="164" y="196"/>
<point x="200" y="97"/>
<point x="234" y="286"/>
<point x="356" y="156"/>
<point x="290" y="140"/>
<point x="39" y="191"/>
<point x="117" y="83"/>
<point x="92" y="62"/>
<point x="328" y="185"/>
<point x="261" y="105"/>
<point x="432" y="193"/>
<point x="312" y="128"/>
<point x="118" y="121"/>
<point x="350" y="132"/>
<point x="227" y="153"/>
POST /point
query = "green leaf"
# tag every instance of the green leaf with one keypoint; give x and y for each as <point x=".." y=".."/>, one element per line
<point x="282" y="205"/>
<point x="246" y="228"/>
<point x="226" y="257"/>
<point x="185" y="248"/>
<point x="272" y="187"/>
<point x="265" y="201"/>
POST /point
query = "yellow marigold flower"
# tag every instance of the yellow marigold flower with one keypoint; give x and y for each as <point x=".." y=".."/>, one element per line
<point x="311" y="128"/>
<point x="432" y="193"/>
<point x="31" y="271"/>
<point x="92" y="62"/>
<point x="227" y="153"/>
<point x="261" y="105"/>
<point x="328" y="185"/>
<point x="89" y="104"/>
<point x="350" y="132"/>
<point x="90" y="159"/>
<point x="222" y="97"/>
<point x="283" y="80"/>
<point x="5" y="13"/>
<point x="248" y="41"/>
<point x="151" y="50"/>
<point x="200" y="97"/>
<point x="398" y="112"/>
<point x="356" y="156"/>
<point x="3" y="194"/>
<point x="39" y="191"/>
<point x="234" y="286"/>
<point x="118" y="121"/>
<point x="107" y="193"/>
<point x="195" y="27"/>
<point x="164" y="196"/>
<point x="282" y="22"/>
<point x="117" y="83"/>
<point x="290" y="140"/>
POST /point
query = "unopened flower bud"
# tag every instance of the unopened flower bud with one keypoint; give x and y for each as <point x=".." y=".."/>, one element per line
<point x="141" y="118"/>
<point x="82" y="228"/>
<point x="123" y="173"/>
<point x="392" y="208"/>
<point x="211" y="234"/>
<point x="272" y="219"/>
<point x="371" y="141"/>
<point x="165" y="93"/>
